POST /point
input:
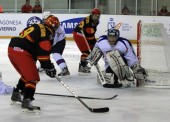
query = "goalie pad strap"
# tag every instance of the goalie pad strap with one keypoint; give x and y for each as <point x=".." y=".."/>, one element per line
<point x="109" y="78"/>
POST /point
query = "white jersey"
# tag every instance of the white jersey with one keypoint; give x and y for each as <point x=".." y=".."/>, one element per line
<point x="123" y="46"/>
<point x="59" y="35"/>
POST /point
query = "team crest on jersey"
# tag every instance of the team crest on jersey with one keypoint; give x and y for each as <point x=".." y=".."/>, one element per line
<point x="33" y="20"/>
<point x="58" y="34"/>
<point x="90" y="30"/>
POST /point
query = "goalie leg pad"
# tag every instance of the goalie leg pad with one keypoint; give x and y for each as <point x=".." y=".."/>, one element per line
<point x="118" y="66"/>
<point x="94" y="56"/>
<point x="109" y="81"/>
<point x="109" y="78"/>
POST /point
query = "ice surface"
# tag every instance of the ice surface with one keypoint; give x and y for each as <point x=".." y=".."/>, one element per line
<point x="132" y="104"/>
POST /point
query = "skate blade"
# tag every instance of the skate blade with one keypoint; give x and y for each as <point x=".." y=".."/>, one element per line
<point x="25" y="110"/>
<point x="84" y="73"/>
<point x="15" y="103"/>
<point x="66" y="76"/>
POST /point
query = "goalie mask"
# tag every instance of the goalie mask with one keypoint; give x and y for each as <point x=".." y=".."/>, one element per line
<point x="113" y="32"/>
<point x="112" y="36"/>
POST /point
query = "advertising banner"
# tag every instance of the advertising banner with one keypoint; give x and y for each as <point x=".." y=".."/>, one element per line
<point x="13" y="24"/>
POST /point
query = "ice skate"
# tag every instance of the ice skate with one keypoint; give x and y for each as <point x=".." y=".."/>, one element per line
<point x="84" y="69"/>
<point x="64" y="72"/>
<point x="16" y="97"/>
<point x="28" y="107"/>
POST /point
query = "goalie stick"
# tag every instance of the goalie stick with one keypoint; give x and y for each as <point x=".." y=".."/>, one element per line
<point x="101" y="77"/>
<point x="95" y="110"/>
<point x="60" y="95"/>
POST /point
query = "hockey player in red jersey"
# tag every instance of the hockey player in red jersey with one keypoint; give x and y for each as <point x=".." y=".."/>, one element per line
<point x="89" y="28"/>
<point x="34" y="43"/>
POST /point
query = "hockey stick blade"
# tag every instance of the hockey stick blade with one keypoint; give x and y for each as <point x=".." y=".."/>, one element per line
<point x="99" y="110"/>
<point x="60" y="95"/>
<point x="96" y="110"/>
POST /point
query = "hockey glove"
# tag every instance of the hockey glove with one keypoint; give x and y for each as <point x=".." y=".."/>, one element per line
<point x="94" y="56"/>
<point x="139" y="72"/>
<point x="51" y="71"/>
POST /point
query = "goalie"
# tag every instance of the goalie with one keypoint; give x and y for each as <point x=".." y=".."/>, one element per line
<point x="121" y="62"/>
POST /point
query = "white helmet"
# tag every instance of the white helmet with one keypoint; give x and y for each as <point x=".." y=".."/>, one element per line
<point x="46" y="14"/>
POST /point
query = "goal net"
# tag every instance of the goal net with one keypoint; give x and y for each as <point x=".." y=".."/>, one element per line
<point x="153" y="51"/>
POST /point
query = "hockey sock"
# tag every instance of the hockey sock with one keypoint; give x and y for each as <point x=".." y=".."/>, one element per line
<point x="20" y="85"/>
<point x="30" y="90"/>
<point x="29" y="93"/>
<point x="59" y="60"/>
<point x="83" y="63"/>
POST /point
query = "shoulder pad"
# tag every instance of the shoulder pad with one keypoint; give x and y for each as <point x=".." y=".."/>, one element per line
<point x="102" y="38"/>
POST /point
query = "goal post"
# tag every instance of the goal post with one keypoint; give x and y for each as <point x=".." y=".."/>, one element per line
<point x="153" y="51"/>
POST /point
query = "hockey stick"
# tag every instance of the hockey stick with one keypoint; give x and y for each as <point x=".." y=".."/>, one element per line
<point x="95" y="110"/>
<point x="60" y="95"/>
<point x="101" y="77"/>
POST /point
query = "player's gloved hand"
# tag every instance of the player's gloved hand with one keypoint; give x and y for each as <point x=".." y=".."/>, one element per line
<point x="94" y="56"/>
<point x="139" y="72"/>
<point x="51" y="71"/>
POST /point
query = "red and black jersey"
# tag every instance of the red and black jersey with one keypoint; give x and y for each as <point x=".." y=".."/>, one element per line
<point x="88" y="27"/>
<point x="37" y="40"/>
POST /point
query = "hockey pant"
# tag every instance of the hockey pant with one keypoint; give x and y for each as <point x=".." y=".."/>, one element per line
<point x="81" y="43"/>
<point x="25" y="65"/>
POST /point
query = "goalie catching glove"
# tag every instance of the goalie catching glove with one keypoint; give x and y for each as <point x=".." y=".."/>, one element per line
<point x="94" y="56"/>
<point x="139" y="72"/>
<point x="51" y="71"/>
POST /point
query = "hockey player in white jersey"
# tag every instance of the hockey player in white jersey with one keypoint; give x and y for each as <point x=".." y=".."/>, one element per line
<point x="120" y="59"/>
<point x="58" y="47"/>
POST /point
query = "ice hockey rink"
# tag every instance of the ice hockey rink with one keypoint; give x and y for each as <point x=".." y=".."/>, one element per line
<point x="132" y="104"/>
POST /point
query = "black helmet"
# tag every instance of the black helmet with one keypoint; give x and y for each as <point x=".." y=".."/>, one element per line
<point x="113" y="32"/>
